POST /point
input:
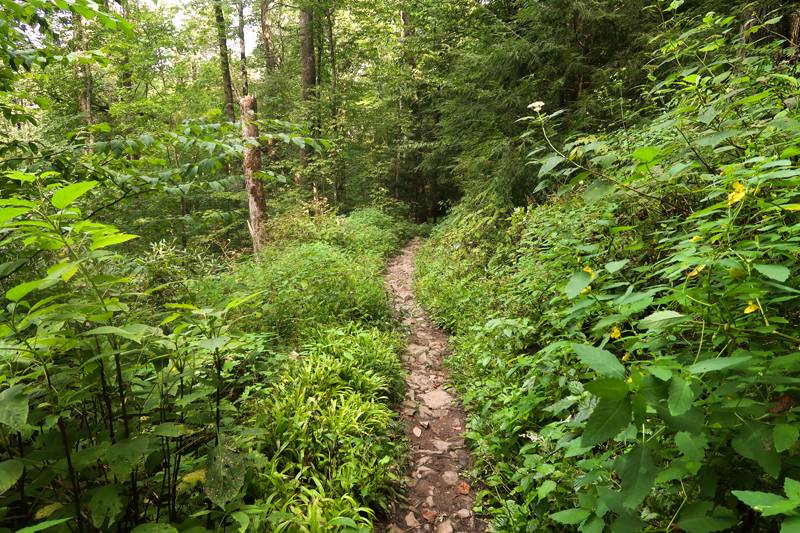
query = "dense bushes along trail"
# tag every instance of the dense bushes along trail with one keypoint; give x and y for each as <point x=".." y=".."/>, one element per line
<point x="440" y="499"/>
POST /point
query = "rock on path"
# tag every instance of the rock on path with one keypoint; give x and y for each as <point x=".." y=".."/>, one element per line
<point x="440" y="496"/>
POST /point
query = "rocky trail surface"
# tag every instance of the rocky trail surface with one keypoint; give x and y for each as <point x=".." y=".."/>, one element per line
<point x="440" y="496"/>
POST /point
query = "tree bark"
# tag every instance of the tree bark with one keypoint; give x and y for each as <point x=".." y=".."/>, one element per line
<point x="243" y="53"/>
<point x="266" y="32"/>
<point x="256" y="202"/>
<point x="224" y="63"/>
<point x="308" y="71"/>
<point x="80" y="44"/>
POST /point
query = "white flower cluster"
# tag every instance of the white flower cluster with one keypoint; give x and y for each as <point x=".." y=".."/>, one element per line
<point x="536" y="106"/>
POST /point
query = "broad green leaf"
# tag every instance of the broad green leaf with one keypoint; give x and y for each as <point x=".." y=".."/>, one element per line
<point x="225" y="472"/>
<point x="646" y="154"/>
<point x="792" y="489"/>
<point x="615" y="266"/>
<point x="791" y="524"/>
<point x="785" y="436"/>
<point x="638" y="476"/>
<point x="754" y="441"/>
<point x="111" y="239"/>
<point x="546" y="488"/>
<point x="7" y="213"/>
<point x="342" y="521"/>
<point x="214" y="342"/>
<point x="711" y="365"/>
<point x="550" y="164"/>
<point x="107" y="503"/>
<point x="66" y="195"/>
<point x="607" y="420"/>
<point x="661" y="320"/>
<point x="608" y="388"/>
<point x="44" y="525"/>
<point x="10" y="472"/>
<point x="577" y="283"/>
<point x="571" y="516"/>
<point x="15" y="294"/>
<point x="598" y="190"/>
<point x="690" y="421"/>
<point x="716" y="138"/>
<point x="692" y="446"/>
<point x="601" y="361"/>
<point x="171" y="429"/>
<point x="134" y="332"/>
<point x="693" y="519"/>
<point x="244" y="521"/>
<point x="154" y="528"/>
<point x="681" y="395"/>
<point x="766" y="503"/>
<point x="124" y="456"/>
<point x="14" y="408"/>
<point x="776" y="272"/>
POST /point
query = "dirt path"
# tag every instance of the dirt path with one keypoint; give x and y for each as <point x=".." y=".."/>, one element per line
<point x="440" y="496"/>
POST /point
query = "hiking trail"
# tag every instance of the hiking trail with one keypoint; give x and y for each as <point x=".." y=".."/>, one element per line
<point x="440" y="494"/>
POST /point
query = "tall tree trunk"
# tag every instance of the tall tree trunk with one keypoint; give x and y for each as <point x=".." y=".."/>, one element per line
<point x="334" y="73"/>
<point x="266" y="32"/>
<point x="256" y="202"/>
<point x="80" y="44"/>
<point x="223" y="60"/>
<point x="243" y="53"/>
<point x="308" y="70"/>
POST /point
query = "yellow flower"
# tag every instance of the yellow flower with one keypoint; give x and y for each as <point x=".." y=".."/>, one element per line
<point x="696" y="271"/>
<point x="630" y="380"/>
<point x="615" y="333"/>
<point x="695" y="238"/>
<point x="587" y="289"/>
<point x="589" y="270"/>
<point x="738" y="193"/>
<point x="751" y="307"/>
<point x="626" y="357"/>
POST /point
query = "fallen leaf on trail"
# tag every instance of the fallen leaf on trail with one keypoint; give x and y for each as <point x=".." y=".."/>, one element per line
<point x="408" y="412"/>
<point x="425" y="424"/>
<point x="784" y="403"/>
<point x="430" y="516"/>
<point x="437" y="384"/>
<point x="463" y="488"/>
<point x="436" y="431"/>
<point x="456" y="428"/>
<point x="417" y="432"/>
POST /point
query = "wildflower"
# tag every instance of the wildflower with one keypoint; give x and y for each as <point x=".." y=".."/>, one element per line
<point x="615" y="333"/>
<point x="738" y="193"/>
<point x="695" y="238"/>
<point x="751" y="307"/>
<point x="587" y="289"/>
<point x="589" y="270"/>
<point x="630" y="380"/>
<point x="626" y="357"/>
<point x="536" y="106"/>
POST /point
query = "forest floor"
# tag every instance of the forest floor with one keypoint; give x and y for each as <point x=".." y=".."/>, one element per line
<point x="440" y="497"/>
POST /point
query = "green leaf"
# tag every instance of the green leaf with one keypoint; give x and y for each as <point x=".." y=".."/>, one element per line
<point x="15" y="294"/>
<point x="134" y="332"/>
<point x="766" y="503"/>
<point x="791" y="524"/>
<point x="7" y="213"/>
<point x="601" y="361"/>
<point x="692" y="446"/>
<point x="577" y="283"/>
<point x="10" y="472"/>
<point x="681" y="396"/>
<point x="107" y="503"/>
<point x="646" y="154"/>
<point x="546" y="488"/>
<point x="607" y="420"/>
<point x="66" y="195"/>
<point x="225" y="472"/>
<point x="754" y="441"/>
<point x="711" y="365"/>
<point x="661" y="320"/>
<point x="154" y="528"/>
<point x="776" y="272"/>
<point x="615" y="266"/>
<point x="716" y="138"/>
<point x="343" y="521"/>
<point x="111" y="239"/>
<point x="693" y="519"/>
<point x="244" y="520"/>
<point x="43" y="525"/>
<point x="14" y="408"/>
<point x="608" y="388"/>
<point x="785" y="436"/>
<point x="549" y="164"/>
<point x="792" y="489"/>
<point x="571" y="516"/>
<point x="638" y="476"/>
<point x="171" y="429"/>
<point x="124" y="456"/>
